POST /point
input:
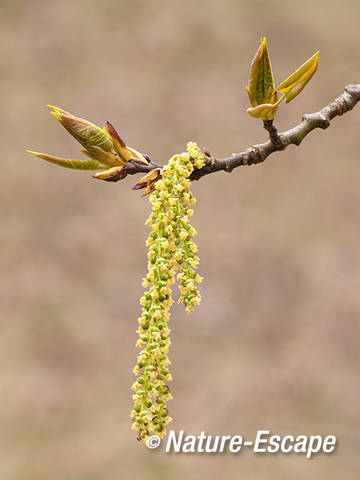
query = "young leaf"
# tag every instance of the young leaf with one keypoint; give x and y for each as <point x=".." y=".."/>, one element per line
<point x="137" y="155"/>
<point x="261" y="88"/>
<point x="295" y="83"/>
<point x="106" y="158"/>
<point x="86" y="133"/>
<point x="265" y="111"/>
<point x="68" y="163"/>
<point x="107" y="174"/>
<point x="96" y="141"/>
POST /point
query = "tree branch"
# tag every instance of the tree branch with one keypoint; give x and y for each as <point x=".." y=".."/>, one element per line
<point x="258" y="153"/>
<point x="279" y="141"/>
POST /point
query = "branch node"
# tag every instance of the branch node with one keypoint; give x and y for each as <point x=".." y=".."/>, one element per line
<point x="318" y="119"/>
<point x="342" y="106"/>
<point x="353" y="90"/>
<point x="275" y="137"/>
<point x="256" y="155"/>
<point x="324" y="122"/>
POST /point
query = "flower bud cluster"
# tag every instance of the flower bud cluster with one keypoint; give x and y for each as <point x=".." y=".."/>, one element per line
<point x="171" y="249"/>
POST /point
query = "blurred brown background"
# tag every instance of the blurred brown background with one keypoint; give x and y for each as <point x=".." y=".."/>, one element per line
<point x="275" y="343"/>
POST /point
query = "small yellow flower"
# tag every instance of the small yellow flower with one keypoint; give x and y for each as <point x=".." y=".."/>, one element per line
<point x="154" y="294"/>
<point x="149" y="242"/>
<point x="194" y="263"/>
<point x="151" y="255"/>
<point x="165" y="291"/>
<point x="157" y="314"/>
<point x="183" y="235"/>
<point x="156" y="336"/>
<point x="199" y="163"/>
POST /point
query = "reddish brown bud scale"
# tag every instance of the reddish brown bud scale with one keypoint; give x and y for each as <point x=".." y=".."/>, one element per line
<point x="114" y="134"/>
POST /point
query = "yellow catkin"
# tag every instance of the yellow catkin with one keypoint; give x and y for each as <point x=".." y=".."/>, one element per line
<point x="171" y="249"/>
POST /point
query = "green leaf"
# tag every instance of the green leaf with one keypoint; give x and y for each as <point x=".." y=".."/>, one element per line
<point x="261" y="88"/>
<point x="68" y="163"/>
<point x="295" y="83"/>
